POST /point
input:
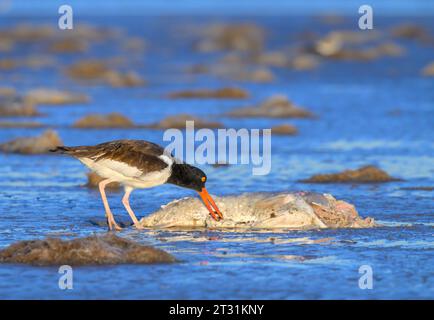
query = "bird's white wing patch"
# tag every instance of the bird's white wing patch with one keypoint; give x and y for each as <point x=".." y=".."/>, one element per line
<point x="167" y="159"/>
<point x="119" y="167"/>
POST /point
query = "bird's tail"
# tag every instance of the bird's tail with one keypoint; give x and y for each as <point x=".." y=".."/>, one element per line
<point x="66" y="150"/>
<point x="79" y="151"/>
<point x="61" y="149"/>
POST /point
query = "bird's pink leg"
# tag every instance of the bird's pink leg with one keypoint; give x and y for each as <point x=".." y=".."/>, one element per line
<point x="110" y="219"/>
<point x="126" y="203"/>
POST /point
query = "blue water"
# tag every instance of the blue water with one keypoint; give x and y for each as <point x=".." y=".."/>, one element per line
<point x="357" y="124"/>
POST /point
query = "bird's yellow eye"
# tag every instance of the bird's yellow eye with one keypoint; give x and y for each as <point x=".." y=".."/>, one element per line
<point x="203" y="179"/>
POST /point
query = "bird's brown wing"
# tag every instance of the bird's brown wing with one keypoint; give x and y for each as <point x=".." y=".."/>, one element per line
<point x="143" y="155"/>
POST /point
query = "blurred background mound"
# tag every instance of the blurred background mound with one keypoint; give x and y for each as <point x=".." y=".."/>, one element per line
<point x="366" y="174"/>
<point x="43" y="143"/>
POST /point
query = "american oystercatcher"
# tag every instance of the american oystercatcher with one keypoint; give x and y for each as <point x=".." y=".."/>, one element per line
<point x="138" y="164"/>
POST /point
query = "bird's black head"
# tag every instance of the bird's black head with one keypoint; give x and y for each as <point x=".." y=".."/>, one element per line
<point x="187" y="176"/>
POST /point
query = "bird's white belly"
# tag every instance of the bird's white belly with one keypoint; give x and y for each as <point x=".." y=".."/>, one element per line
<point x="125" y="174"/>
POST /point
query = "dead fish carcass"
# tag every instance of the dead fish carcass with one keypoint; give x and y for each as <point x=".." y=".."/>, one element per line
<point x="299" y="210"/>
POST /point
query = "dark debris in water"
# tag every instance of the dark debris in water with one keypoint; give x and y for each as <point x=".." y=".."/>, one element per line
<point x="418" y="188"/>
<point x="103" y="223"/>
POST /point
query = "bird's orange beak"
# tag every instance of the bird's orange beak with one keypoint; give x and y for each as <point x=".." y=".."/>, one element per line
<point x="210" y="205"/>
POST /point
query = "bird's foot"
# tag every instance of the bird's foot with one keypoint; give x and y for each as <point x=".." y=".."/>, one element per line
<point x="138" y="226"/>
<point x="117" y="227"/>
<point x="113" y="225"/>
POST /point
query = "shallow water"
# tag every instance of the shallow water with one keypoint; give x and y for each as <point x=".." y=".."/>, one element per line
<point x="42" y="195"/>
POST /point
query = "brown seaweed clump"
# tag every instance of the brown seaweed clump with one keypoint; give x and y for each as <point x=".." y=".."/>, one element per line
<point x="366" y="174"/>
<point x="304" y="62"/>
<point x="260" y="75"/>
<point x="88" y="70"/>
<point x="93" y="250"/>
<point x="388" y="49"/>
<point x="375" y="52"/>
<point x="33" y="62"/>
<point x="93" y="179"/>
<point x="98" y="71"/>
<point x="20" y="124"/>
<point x="284" y="129"/>
<point x="350" y="45"/>
<point x="6" y="45"/>
<point x="412" y="31"/>
<point x="11" y="106"/>
<point x="277" y="106"/>
<point x="127" y="79"/>
<point x="8" y="64"/>
<point x="179" y="122"/>
<point x="68" y="45"/>
<point x="428" y="70"/>
<point x="272" y="58"/>
<point x="55" y="97"/>
<point x="134" y="44"/>
<point x="28" y="32"/>
<point x="233" y="37"/>
<point x="223" y="93"/>
<point x="235" y="70"/>
<point x="7" y="92"/>
<point x="111" y="120"/>
<point x="32" y="145"/>
<point x="331" y="19"/>
<point x="298" y="211"/>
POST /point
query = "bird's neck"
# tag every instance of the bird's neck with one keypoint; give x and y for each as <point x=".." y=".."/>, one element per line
<point x="179" y="174"/>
